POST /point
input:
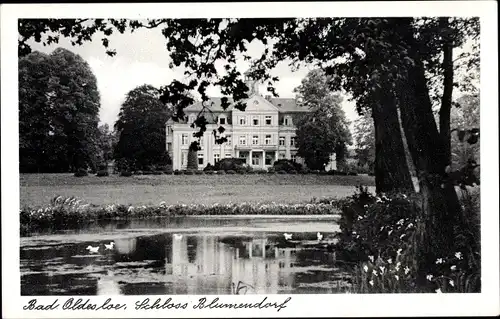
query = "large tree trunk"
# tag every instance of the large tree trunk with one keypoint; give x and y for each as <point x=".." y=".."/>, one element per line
<point x="444" y="112"/>
<point x="440" y="207"/>
<point x="391" y="167"/>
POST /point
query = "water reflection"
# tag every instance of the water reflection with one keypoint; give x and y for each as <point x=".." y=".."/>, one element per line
<point x="182" y="264"/>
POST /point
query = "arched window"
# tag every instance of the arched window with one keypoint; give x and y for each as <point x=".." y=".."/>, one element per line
<point x="222" y="120"/>
<point x="192" y="118"/>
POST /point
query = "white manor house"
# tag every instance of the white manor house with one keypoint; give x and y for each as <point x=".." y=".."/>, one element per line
<point x="260" y="135"/>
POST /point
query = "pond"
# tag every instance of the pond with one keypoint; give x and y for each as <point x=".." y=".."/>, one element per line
<point x="189" y="255"/>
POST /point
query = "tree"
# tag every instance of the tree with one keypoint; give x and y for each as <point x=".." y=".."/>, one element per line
<point x="106" y="144"/>
<point x="325" y="129"/>
<point x="364" y="138"/>
<point x="140" y="129"/>
<point x="58" y="104"/>
<point x="192" y="160"/>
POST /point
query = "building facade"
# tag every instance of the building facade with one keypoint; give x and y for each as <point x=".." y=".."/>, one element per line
<point x="260" y="135"/>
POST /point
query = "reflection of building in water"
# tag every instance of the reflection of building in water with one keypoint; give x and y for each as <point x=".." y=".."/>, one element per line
<point x="208" y="266"/>
<point x="266" y="268"/>
<point x="125" y="246"/>
<point x="107" y="285"/>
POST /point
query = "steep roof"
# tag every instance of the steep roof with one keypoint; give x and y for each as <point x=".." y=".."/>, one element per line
<point x="285" y="105"/>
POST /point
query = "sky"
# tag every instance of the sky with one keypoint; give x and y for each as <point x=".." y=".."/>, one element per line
<point x="142" y="58"/>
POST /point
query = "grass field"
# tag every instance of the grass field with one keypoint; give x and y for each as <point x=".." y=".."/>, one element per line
<point x="38" y="189"/>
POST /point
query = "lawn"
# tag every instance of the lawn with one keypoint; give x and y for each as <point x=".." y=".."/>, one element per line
<point x="38" y="189"/>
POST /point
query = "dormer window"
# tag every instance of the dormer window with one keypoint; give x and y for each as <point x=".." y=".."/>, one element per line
<point x="222" y="120"/>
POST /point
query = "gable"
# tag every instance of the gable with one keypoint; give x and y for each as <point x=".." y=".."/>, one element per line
<point x="257" y="103"/>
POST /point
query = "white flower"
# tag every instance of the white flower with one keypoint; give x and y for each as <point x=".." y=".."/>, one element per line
<point x="429" y="277"/>
<point x="365" y="206"/>
<point x="409" y="225"/>
<point x="389" y="232"/>
<point x="458" y="255"/>
<point x="397" y="266"/>
<point x="357" y="236"/>
<point x="400" y="222"/>
<point x="404" y="196"/>
<point x="379" y="200"/>
<point x="407" y="270"/>
<point x="396" y="276"/>
<point x="375" y="273"/>
<point x="131" y="208"/>
<point x="452" y="283"/>
<point x="382" y="228"/>
<point x="371" y="282"/>
<point x="382" y="268"/>
<point x="439" y="261"/>
<point x="399" y="251"/>
<point x="389" y="260"/>
<point x="438" y="290"/>
<point x="360" y="217"/>
<point x="354" y="233"/>
<point x="371" y="258"/>
<point x="453" y="267"/>
<point x="401" y="237"/>
<point x="365" y="268"/>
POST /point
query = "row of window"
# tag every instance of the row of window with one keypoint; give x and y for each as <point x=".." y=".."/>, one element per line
<point x="242" y="120"/>
<point x="255" y="158"/>
<point x="243" y="140"/>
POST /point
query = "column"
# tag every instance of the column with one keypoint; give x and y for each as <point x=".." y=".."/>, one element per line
<point x="237" y="154"/>
<point x="276" y="155"/>
<point x="250" y="154"/>
<point x="250" y="249"/>
<point x="263" y="159"/>
<point x="263" y="248"/>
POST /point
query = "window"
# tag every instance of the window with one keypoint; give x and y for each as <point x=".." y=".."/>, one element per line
<point x="243" y="140"/>
<point x="243" y="120"/>
<point x="169" y="147"/>
<point x="184" y="139"/>
<point x="169" y="129"/>
<point x="228" y="155"/>
<point x="200" y="158"/>
<point x="255" y="139"/>
<point x="228" y="140"/>
<point x="192" y="118"/>
<point x="201" y="141"/>
<point x="184" y="158"/>
<point x="222" y="120"/>
<point x="287" y="120"/>
<point x="282" y="141"/>
<point x="269" y="159"/>
<point x="255" y="120"/>
<point x="255" y="159"/>
<point x="282" y="155"/>
<point x="216" y="158"/>
<point x="292" y="141"/>
<point x="269" y="120"/>
<point x="294" y="158"/>
<point x="268" y="139"/>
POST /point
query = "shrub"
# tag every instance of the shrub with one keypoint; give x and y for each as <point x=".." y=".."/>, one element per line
<point x="352" y="174"/>
<point x="209" y="172"/>
<point x="147" y="172"/>
<point x="292" y="172"/>
<point x="282" y="172"/>
<point x="231" y="172"/>
<point x="198" y="172"/>
<point x="125" y="173"/>
<point x="227" y="164"/>
<point x="271" y="170"/>
<point x="157" y="172"/>
<point x="189" y="172"/>
<point x="287" y="165"/>
<point x="177" y="172"/>
<point x="102" y="173"/>
<point x="138" y="173"/>
<point x="221" y="172"/>
<point x="209" y="167"/>
<point x="305" y="170"/>
<point x="81" y="172"/>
